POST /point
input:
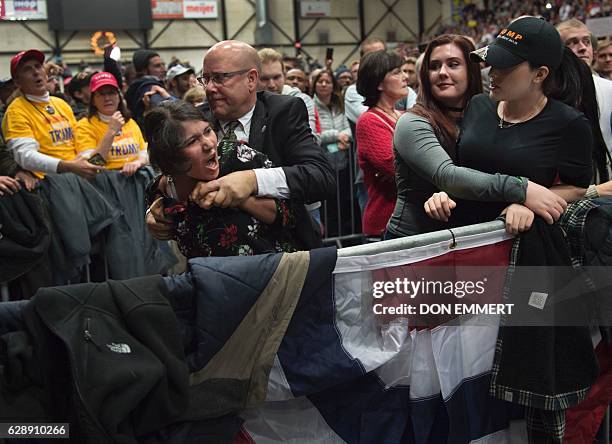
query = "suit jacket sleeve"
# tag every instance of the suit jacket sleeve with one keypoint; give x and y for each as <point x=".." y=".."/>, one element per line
<point x="309" y="174"/>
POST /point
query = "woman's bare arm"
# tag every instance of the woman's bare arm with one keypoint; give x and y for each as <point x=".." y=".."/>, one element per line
<point x="572" y="193"/>
<point x="261" y="208"/>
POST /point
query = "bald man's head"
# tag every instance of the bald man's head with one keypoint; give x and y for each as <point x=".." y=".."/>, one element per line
<point x="231" y="70"/>
<point x="235" y="51"/>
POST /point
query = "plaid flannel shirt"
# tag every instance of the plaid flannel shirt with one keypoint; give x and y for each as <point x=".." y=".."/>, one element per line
<point x="572" y="223"/>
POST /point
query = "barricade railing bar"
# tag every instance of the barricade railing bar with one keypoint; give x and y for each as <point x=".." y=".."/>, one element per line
<point x="453" y="236"/>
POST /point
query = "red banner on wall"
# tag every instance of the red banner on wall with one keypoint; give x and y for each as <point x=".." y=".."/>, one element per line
<point x="178" y="9"/>
<point x="23" y="9"/>
<point x="167" y="9"/>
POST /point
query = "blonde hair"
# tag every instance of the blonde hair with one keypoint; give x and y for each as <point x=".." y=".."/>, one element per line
<point x="570" y="24"/>
<point x="603" y="44"/>
<point x="419" y="62"/>
<point x="575" y="24"/>
<point x="268" y="55"/>
<point x="195" y="95"/>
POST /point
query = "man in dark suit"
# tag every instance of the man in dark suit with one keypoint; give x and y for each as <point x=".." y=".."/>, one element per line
<point x="274" y="124"/>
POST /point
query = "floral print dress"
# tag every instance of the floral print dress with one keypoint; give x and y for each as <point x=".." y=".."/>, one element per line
<point x="230" y="231"/>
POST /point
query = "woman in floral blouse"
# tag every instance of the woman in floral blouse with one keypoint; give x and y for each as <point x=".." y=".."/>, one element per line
<point x="258" y="225"/>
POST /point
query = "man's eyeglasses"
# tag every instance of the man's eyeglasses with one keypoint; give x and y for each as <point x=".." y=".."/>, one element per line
<point x="219" y="78"/>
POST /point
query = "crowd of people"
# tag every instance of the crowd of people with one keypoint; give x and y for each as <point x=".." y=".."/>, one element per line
<point x="254" y="154"/>
<point x="483" y="21"/>
<point x="357" y="174"/>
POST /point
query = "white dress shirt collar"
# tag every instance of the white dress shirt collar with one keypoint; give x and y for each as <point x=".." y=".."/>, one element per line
<point x="245" y="122"/>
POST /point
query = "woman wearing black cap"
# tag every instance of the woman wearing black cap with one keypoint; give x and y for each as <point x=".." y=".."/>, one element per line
<point x="522" y="129"/>
<point x="425" y="146"/>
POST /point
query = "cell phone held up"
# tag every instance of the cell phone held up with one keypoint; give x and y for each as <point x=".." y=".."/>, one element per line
<point x="97" y="160"/>
<point x="329" y="54"/>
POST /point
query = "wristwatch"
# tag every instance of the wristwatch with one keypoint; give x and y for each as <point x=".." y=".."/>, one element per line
<point x="591" y="192"/>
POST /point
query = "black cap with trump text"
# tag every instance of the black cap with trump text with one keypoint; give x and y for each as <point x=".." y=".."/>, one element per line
<point x="526" y="39"/>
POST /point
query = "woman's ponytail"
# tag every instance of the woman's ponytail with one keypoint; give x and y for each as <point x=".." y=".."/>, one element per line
<point x="572" y="83"/>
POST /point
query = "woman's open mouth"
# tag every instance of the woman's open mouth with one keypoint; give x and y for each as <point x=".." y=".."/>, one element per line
<point x="213" y="162"/>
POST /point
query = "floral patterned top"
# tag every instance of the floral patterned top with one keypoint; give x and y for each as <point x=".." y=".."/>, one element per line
<point x="229" y="231"/>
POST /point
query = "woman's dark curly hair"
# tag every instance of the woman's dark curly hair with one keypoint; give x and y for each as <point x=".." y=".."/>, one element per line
<point x="166" y="137"/>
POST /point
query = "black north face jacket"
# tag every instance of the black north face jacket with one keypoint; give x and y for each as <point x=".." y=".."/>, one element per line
<point x="105" y="357"/>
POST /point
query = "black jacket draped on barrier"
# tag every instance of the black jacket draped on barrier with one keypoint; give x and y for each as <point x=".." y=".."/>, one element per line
<point x="79" y="213"/>
<point x="598" y="255"/>
<point x="105" y="357"/>
<point x="24" y="236"/>
<point x="542" y="366"/>
<point x="129" y="248"/>
<point x="154" y="359"/>
<point x="81" y="210"/>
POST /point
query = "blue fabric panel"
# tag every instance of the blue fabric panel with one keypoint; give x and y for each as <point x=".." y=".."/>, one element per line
<point x="311" y="352"/>
<point x="230" y="283"/>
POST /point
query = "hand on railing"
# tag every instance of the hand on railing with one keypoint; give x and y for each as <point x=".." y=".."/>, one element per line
<point x="131" y="167"/>
<point x="28" y="179"/>
<point x="79" y="166"/>
<point x="8" y="185"/>
<point x="519" y="218"/>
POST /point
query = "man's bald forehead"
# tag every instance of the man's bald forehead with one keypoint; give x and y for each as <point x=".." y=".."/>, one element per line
<point x="236" y="50"/>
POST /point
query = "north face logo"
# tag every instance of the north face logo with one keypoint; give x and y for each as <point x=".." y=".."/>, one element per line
<point x="119" y="348"/>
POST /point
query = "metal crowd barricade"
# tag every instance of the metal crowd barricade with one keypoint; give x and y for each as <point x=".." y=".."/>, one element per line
<point x="453" y="236"/>
<point x="354" y="235"/>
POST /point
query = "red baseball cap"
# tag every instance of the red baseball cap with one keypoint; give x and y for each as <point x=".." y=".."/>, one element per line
<point x="23" y="56"/>
<point x="100" y="79"/>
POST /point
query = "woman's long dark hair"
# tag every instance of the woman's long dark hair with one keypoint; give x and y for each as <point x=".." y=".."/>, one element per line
<point x="572" y="83"/>
<point x="337" y="100"/>
<point x="431" y="108"/>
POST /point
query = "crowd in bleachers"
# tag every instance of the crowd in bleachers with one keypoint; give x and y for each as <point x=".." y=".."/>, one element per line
<point x="482" y="21"/>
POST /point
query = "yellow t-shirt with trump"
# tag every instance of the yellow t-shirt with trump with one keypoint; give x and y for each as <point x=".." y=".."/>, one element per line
<point x="126" y="146"/>
<point x="51" y="124"/>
